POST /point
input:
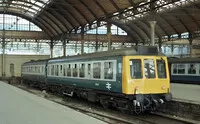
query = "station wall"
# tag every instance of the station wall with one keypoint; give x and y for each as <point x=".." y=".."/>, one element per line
<point x="13" y="63"/>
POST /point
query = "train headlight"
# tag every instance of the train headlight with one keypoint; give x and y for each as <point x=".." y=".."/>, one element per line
<point x="163" y="87"/>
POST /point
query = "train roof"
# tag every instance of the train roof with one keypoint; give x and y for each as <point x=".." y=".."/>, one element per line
<point x="137" y="50"/>
<point x="183" y="60"/>
<point x="40" y="61"/>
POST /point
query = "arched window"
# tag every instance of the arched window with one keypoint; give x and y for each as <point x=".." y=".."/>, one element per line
<point x="10" y="22"/>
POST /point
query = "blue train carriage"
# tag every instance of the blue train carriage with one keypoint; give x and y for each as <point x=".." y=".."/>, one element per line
<point x="34" y="73"/>
<point x="133" y="79"/>
<point x="185" y="70"/>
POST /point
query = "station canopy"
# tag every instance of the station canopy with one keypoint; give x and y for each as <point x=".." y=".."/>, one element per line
<point x="60" y="17"/>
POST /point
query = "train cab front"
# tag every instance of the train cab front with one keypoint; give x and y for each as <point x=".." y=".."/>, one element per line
<point x="146" y="79"/>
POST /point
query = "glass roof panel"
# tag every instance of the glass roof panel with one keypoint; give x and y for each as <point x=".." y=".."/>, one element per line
<point x="10" y="22"/>
<point x="31" y="7"/>
<point x="39" y="4"/>
<point x="35" y="7"/>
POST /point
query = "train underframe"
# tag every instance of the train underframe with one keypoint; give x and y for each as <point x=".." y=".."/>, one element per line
<point x="137" y="104"/>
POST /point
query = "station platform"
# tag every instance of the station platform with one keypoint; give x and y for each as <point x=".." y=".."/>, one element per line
<point x="21" y="107"/>
<point x="186" y="92"/>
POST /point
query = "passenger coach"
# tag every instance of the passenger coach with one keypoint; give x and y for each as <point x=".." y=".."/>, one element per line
<point x="185" y="70"/>
<point x="34" y="72"/>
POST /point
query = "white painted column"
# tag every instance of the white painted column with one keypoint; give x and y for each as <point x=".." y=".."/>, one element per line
<point x="152" y="24"/>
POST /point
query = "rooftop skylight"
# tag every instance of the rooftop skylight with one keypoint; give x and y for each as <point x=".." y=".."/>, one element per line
<point x="27" y="7"/>
<point x="144" y="8"/>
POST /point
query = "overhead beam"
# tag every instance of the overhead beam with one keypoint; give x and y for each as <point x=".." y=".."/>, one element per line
<point x="76" y="9"/>
<point x="115" y="5"/>
<point x="100" y="6"/>
<point x="39" y="35"/>
<point x="90" y="10"/>
<point x="24" y="35"/>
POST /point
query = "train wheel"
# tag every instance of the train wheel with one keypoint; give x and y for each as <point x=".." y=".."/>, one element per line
<point x="106" y="104"/>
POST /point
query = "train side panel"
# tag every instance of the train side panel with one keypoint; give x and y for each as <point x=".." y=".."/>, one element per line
<point x="34" y="71"/>
<point x="104" y="75"/>
<point x="185" y="70"/>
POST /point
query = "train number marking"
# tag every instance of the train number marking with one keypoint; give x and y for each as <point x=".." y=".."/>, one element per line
<point x="108" y="86"/>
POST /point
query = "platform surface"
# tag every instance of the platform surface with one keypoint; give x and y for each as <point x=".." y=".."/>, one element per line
<point x="20" y="107"/>
<point x="186" y="92"/>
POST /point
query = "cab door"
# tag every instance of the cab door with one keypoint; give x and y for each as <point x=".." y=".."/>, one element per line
<point x="132" y="74"/>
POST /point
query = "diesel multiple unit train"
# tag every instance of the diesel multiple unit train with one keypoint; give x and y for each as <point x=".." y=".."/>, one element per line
<point x="134" y="79"/>
<point x="184" y="70"/>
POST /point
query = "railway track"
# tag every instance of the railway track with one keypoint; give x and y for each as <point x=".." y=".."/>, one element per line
<point x="110" y="116"/>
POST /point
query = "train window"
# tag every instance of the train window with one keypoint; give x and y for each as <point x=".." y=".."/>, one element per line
<point x="64" y="70"/>
<point x="181" y="68"/>
<point x="82" y="70"/>
<point x="174" y="66"/>
<point x="135" y="68"/>
<point x="52" y="70"/>
<point x="89" y="70"/>
<point x="42" y="70"/>
<point x="56" y="69"/>
<point x="75" y="70"/>
<point x="38" y="69"/>
<point x="35" y="69"/>
<point x="69" y="70"/>
<point x="97" y="70"/>
<point x="149" y="68"/>
<point x="161" y="69"/>
<point x="61" y="70"/>
<point x="108" y="70"/>
<point x="119" y="67"/>
<point x="191" y="69"/>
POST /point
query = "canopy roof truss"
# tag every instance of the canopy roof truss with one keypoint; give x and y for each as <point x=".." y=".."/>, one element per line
<point x="58" y="18"/>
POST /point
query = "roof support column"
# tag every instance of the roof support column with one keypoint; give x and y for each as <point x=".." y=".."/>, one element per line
<point x="165" y="47"/>
<point x="172" y="50"/>
<point x="3" y="49"/>
<point x="109" y="35"/>
<point x="152" y="24"/>
<point x="38" y="46"/>
<point x="64" y="47"/>
<point x="51" y="48"/>
<point x="123" y="45"/>
<point x="96" y="46"/>
<point x="160" y="44"/>
<point x="75" y="47"/>
<point x="190" y="43"/>
<point x="82" y="39"/>
<point x="3" y="58"/>
<point x="143" y="43"/>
